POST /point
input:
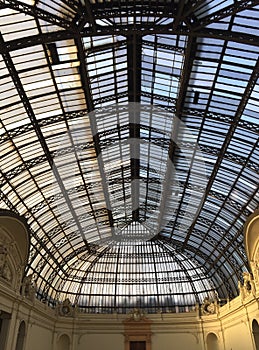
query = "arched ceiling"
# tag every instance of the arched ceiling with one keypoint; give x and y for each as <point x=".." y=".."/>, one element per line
<point x="129" y="142"/>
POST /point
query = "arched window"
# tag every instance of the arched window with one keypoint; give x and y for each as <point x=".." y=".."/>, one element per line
<point x="63" y="342"/>
<point x="20" y="337"/>
<point x="255" y="329"/>
<point x="212" y="342"/>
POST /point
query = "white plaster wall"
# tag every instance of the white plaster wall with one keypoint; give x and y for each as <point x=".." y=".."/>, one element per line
<point x="238" y="337"/>
<point x="182" y="341"/>
<point x="38" y="338"/>
<point x="101" y="341"/>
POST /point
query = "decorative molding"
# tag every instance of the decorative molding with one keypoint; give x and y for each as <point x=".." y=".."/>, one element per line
<point x="137" y="327"/>
<point x="247" y="288"/>
<point x="136" y="315"/>
<point x="6" y="272"/>
<point x="209" y="306"/>
<point x="28" y="288"/>
<point x="14" y="249"/>
<point x="65" y="309"/>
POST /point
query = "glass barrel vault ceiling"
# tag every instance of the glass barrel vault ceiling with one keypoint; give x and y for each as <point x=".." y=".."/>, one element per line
<point x="129" y="142"/>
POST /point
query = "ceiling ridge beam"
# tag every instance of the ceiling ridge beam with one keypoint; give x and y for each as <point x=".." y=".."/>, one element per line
<point x="134" y="45"/>
<point x="33" y="40"/>
<point x="86" y="84"/>
<point x="186" y="71"/>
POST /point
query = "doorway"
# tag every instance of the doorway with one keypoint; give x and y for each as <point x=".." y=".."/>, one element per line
<point x="4" y="328"/>
<point x="20" y="336"/>
<point x="137" y="345"/>
<point x="255" y="329"/>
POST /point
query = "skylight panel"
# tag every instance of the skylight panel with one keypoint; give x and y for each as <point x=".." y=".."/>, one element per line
<point x="67" y="51"/>
<point x="251" y="110"/>
<point x="90" y="42"/>
<point x="17" y="25"/>
<point x="9" y="95"/>
<point x="27" y="59"/>
<point x="165" y="80"/>
<point x="239" y="148"/>
<point x="221" y="188"/>
<point x="237" y="60"/>
<point x="243" y="23"/>
<point x="57" y="8"/>
<point x="30" y="151"/>
<point x="44" y="81"/>
<point x="209" y="7"/>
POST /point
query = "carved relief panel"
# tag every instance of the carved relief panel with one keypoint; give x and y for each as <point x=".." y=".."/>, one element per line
<point x="14" y="247"/>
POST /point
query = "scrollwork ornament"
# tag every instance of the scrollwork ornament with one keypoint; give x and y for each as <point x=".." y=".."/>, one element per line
<point x="5" y="269"/>
<point x="65" y="308"/>
<point x="136" y="315"/>
<point x="208" y="307"/>
<point x="28" y="287"/>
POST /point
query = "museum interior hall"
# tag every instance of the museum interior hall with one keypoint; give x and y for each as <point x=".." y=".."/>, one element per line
<point x="129" y="172"/>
